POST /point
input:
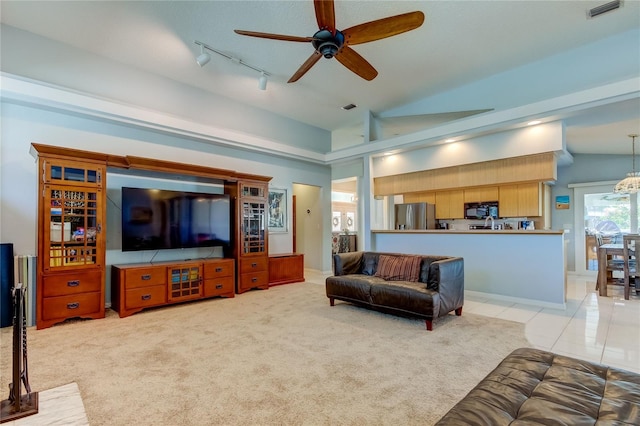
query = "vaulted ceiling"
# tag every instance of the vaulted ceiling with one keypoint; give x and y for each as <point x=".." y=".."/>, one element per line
<point x="460" y="42"/>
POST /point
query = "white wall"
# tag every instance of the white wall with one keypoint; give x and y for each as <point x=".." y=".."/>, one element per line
<point x="22" y="125"/>
<point x="547" y="137"/>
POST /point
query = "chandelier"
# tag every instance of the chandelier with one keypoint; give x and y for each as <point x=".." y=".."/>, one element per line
<point x="630" y="184"/>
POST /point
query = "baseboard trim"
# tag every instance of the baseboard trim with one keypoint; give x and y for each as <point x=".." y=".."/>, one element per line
<point x="518" y="300"/>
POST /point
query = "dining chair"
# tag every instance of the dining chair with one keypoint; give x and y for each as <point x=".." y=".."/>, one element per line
<point x="630" y="244"/>
<point x="610" y="268"/>
<point x="598" y="239"/>
<point x="611" y="264"/>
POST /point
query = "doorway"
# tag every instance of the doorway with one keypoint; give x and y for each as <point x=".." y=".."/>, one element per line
<point x="344" y="215"/>
<point x="309" y="226"/>
<point x="600" y="211"/>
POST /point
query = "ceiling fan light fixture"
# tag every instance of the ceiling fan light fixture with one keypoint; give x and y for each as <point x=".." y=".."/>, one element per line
<point x="328" y="49"/>
<point x="631" y="183"/>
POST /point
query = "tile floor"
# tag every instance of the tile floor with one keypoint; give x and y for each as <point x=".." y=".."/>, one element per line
<point x="593" y="328"/>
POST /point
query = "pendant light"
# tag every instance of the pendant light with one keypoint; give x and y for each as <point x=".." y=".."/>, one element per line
<point x="630" y="184"/>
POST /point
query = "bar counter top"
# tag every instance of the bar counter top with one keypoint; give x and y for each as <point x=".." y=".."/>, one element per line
<point x="469" y="231"/>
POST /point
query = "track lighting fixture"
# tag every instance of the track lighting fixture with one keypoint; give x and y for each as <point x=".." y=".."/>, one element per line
<point x="262" y="82"/>
<point x="205" y="57"/>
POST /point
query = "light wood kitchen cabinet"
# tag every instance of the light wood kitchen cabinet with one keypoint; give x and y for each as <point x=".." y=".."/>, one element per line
<point x="520" y="200"/>
<point x="481" y="194"/>
<point x="420" y="197"/>
<point x="450" y="204"/>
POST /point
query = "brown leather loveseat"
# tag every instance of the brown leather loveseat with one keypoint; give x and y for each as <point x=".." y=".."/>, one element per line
<point x="536" y="387"/>
<point x="424" y="286"/>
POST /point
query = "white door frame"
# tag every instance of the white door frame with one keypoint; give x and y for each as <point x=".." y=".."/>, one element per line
<point x="579" y="191"/>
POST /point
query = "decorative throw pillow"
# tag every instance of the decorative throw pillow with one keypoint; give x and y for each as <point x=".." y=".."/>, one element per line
<point x="398" y="268"/>
<point x="369" y="263"/>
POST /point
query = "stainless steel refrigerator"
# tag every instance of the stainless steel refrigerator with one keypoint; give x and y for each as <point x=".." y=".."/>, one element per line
<point x="415" y="216"/>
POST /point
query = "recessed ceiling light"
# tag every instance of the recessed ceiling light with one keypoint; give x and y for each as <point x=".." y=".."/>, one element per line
<point x="450" y="140"/>
<point x="387" y="153"/>
<point x="534" y="122"/>
<point x="348" y="107"/>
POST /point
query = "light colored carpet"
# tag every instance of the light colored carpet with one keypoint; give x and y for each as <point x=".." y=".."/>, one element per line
<point x="279" y="356"/>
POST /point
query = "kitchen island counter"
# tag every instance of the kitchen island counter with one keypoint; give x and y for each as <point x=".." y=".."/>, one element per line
<point x="527" y="267"/>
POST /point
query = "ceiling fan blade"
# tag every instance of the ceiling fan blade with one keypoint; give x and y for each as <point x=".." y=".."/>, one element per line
<point x="383" y="28"/>
<point x="273" y="36"/>
<point x="325" y="14"/>
<point x="315" y="57"/>
<point x="356" y="63"/>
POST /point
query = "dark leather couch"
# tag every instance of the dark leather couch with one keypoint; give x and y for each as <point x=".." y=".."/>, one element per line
<point x="440" y="288"/>
<point x="535" y="387"/>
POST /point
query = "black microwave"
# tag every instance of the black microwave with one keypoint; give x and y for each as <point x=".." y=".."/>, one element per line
<point x="481" y="210"/>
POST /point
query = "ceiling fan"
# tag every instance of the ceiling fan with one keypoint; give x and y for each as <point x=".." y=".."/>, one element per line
<point x="330" y="42"/>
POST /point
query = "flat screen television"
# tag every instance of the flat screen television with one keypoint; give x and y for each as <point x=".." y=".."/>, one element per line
<point x="154" y="219"/>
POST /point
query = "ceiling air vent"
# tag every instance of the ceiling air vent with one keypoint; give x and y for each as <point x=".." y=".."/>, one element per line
<point x="348" y="107"/>
<point x="604" y="8"/>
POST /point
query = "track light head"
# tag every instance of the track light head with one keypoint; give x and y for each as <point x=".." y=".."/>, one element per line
<point x="204" y="58"/>
<point x="262" y="82"/>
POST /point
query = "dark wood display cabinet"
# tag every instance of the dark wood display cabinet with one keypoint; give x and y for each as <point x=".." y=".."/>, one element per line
<point x="71" y="243"/>
<point x="252" y="234"/>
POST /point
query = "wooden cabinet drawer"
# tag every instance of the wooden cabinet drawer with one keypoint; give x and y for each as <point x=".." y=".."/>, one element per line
<point x="222" y="268"/>
<point x="218" y="287"/>
<point x="256" y="279"/>
<point x="255" y="264"/>
<point x="72" y="283"/>
<point x="141" y="297"/>
<point x="71" y="305"/>
<point x="145" y="277"/>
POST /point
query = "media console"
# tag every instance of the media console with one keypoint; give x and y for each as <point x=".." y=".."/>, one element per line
<point x="135" y="287"/>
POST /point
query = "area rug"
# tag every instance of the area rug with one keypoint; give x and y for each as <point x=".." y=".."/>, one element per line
<point x="266" y="357"/>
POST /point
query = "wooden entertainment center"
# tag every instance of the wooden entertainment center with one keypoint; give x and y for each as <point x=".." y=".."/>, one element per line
<point x="138" y="286"/>
<point x="72" y="240"/>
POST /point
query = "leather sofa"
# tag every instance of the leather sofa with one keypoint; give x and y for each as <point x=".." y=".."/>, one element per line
<point x="434" y="287"/>
<point x="532" y="386"/>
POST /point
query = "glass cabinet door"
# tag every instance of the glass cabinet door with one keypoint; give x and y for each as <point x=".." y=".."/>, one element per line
<point x="252" y="190"/>
<point x="72" y="222"/>
<point x="253" y="227"/>
<point x="72" y="173"/>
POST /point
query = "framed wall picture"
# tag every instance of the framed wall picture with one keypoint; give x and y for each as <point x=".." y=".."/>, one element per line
<point x="562" y="202"/>
<point x="278" y="210"/>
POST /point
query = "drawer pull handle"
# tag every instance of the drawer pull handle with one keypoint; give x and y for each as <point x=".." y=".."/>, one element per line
<point x="74" y="305"/>
<point x="146" y="277"/>
<point x="254" y="279"/>
<point x="218" y="269"/>
<point x="218" y="286"/>
<point x="73" y="283"/>
<point x="146" y="297"/>
<point x="253" y="265"/>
